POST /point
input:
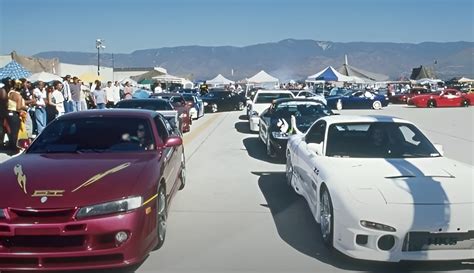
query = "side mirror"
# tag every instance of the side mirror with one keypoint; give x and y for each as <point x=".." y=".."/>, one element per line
<point x="440" y="149"/>
<point x="316" y="148"/>
<point x="174" y="141"/>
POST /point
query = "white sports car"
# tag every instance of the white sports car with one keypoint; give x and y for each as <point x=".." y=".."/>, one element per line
<point x="380" y="190"/>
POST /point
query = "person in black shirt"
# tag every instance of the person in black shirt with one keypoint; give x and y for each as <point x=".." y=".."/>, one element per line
<point x="204" y="89"/>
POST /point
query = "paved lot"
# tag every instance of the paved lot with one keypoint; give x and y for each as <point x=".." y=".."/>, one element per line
<point x="236" y="213"/>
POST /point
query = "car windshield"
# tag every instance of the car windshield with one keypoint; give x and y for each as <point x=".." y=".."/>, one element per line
<point x="378" y="140"/>
<point x="189" y="98"/>
<point x="338" y="92"/>
<point x="94" y="135"/>
<point x="270" y="97"/>
<point x="154" y="105"/>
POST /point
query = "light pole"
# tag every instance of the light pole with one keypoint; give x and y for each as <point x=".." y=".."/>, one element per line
<point x="99" y="44"/>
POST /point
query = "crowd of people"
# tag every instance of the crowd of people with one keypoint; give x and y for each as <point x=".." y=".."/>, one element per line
<point x="26" y="108"/>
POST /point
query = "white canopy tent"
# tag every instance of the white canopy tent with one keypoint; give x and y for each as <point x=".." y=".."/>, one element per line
<point x="44" y="77"/>
<point x="465" y="80"/>
<point x="167" y="78"/>
<point x="263" y="78"/>
<point x="219" y="80"/>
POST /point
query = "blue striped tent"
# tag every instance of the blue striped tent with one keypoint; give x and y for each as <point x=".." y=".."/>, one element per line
<point x="14" y="70"/>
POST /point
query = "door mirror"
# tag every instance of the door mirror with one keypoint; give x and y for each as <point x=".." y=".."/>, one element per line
<point x="174" y="141"/>
<point x="316" y="148"/>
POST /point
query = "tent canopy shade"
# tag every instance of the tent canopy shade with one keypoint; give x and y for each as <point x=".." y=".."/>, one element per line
<point x="330" y="74"/>
<point x="14" y="70"/>
<point x="44" y="77"/>
<point x="219" y="80"/>
<point x="262" y="77"/>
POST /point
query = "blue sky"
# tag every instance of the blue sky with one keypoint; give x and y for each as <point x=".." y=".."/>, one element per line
<point x="33" y="26"/>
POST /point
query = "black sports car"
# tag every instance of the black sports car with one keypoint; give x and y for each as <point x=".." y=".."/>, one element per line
<point x="276" y="125"/>
<point x="223" y="100"/>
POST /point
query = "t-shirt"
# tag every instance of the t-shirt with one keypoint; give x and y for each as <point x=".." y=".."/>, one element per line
<point x="58" y="99"/>
<point x="110" y="93"/>
<point x="100" y="96"/>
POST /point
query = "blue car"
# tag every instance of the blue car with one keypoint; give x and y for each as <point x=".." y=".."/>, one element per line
<point x="357" y="100"/>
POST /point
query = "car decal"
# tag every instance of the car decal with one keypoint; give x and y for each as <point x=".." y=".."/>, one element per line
<point x="48" y="193"/>
<point x="99" y="176"/>
<point x="20" y="177"/>
<point x="149" y="200"/>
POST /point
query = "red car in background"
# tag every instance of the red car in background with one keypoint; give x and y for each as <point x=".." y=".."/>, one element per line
<point x="403" y="98"/>
<point x="447" y="98"/>
<point x="91" y="192"/>
<point x="180" y="105"/>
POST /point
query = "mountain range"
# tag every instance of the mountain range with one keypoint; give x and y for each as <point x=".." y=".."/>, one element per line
<point x="290" y="58"/>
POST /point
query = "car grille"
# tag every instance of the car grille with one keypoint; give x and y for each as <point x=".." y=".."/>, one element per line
<point x="46" y="263"/>
<point x="41" y="216"/>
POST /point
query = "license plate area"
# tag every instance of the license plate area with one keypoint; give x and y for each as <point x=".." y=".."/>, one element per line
<point x="420" y="241"/>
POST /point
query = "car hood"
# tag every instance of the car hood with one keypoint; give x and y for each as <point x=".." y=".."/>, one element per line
<point x="69" y="180"/>
<point x="410" y="181"/>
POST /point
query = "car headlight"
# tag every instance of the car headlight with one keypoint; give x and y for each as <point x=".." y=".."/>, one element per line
<point x="377" y="226"/>
<point x="2" y="214"/>
<point x="123" y="205"/>
<point x="280" y="135"/>
<point x="183" y="115"/>
<point x="206" y="104"/>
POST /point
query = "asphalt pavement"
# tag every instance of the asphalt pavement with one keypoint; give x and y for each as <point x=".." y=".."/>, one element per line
<point x="237" y="214"/>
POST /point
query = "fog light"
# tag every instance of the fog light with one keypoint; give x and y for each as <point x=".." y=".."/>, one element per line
<point x="386" y="242"/>
<point x="121" y="237"/>
<point x="362" y="239"/>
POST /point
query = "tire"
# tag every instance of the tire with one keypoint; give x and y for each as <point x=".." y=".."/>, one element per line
<point x="465" y="103"/>
<point x="241" y="106"/>
<point x="339" y="105"/>
<point x="214" y="108"/>
<point x="182" y="174"/>
<point x="431" y="104"/>
<point x="161" y="218"/>
<point x="377" y="105"/>
<point x="289" y="169"/>
<point x="270" y="150"/>
<point x="326" y="218"/>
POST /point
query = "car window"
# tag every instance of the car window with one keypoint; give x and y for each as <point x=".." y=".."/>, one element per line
<point x="177" y="99"/>
<point x="270" y="97"/>
<point x="316" y="132"/>
<point x="163" y="131"/>
<point x="154" y="105"/>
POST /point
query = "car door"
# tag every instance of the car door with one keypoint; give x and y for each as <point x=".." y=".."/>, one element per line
<point x="265" y="121"/>
<point x="170" y="155"/>
<point x="309" y="162"/>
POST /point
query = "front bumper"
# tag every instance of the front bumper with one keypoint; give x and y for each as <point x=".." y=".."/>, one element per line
<point x="254" y="123"/>
<point x="77" y="244"/>
<point x="406" y="223"/>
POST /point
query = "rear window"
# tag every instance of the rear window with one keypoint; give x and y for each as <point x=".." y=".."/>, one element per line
<point x="270" y="97"/>
<point x="154" y="105"/>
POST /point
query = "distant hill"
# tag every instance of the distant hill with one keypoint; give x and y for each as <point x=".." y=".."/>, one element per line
<point x="291" y="59"/>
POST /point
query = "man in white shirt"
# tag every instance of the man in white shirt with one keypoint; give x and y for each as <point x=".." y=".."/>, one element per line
<point x="109" y="90"/>
<point x="158" y="88"/>
<point x="116" y="95"/>
<point x="67" y="94"/>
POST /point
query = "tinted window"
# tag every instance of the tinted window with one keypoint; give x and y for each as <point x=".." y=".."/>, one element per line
<point x="270" y="97"/>
<point x="378" y="140"/>
<point x="316" y="133"/>
<point x="154" y="105"/>
<point x="93" y="134"/>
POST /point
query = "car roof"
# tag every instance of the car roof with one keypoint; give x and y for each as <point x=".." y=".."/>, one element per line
<point x="135" y="113"/>
<point x="277" y="101"/>
<point x="144" y="100"/>
<point x="274" y="91"/>
<point x="167" y="94"/>
<point x="363" y="119"/>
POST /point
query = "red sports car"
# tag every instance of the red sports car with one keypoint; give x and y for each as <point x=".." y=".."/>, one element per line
<point x="447" y="98"/>
<point x="405" y="97"/>
<point x="91" y="192"/>
<point x="179" y="103"/>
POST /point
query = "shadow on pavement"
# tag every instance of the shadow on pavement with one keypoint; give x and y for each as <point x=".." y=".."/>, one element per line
<point x="243" y="117"/>
<point x="242" y="127"/>
<point x="256" y="149"/>
<point x="297" y="227"/>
